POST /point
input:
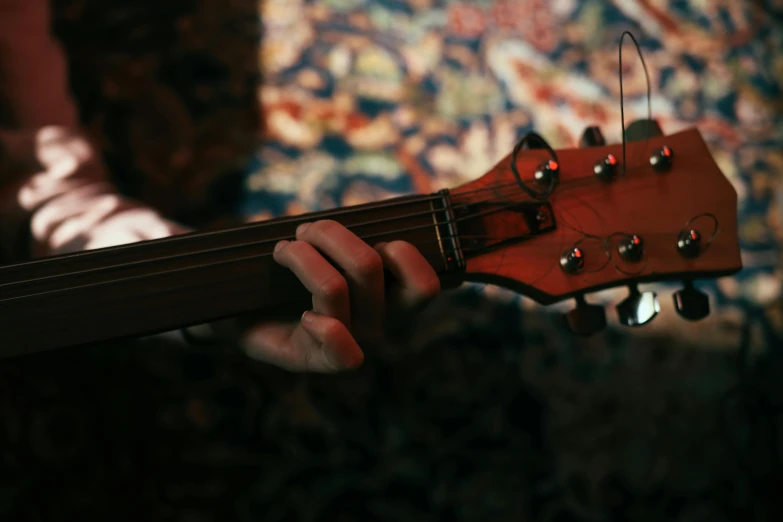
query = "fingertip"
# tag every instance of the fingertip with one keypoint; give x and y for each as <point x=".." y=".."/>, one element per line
<point x="416" y="277"/>
<point x="280" y="246"/>
<point x="301" y="229"/>
<point x="338" y="347"/>
<point x="343" y="360"/>
<point x="429" y="288"/>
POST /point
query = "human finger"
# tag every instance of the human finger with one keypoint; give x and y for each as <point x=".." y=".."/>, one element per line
<point x="317" y="343"/>
<point x="416" y="283"/>
<point x="328" y="287"/>
<point x="363" y="271"/>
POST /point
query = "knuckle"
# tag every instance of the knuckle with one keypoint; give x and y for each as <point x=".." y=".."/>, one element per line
<point x="334" y="332"/>
<point x="400" y="247"/>
<point x="429" y="288"/>
<point x="322" y="226"/>
<point x="289" y="249"/>
<point x="368" y="263"/>
<point x="333" y="288"/>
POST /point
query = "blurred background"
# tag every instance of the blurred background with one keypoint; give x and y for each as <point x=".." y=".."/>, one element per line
<point x="219" y="111"/>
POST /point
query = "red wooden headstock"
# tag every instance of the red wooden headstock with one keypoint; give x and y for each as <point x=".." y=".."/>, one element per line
<point x="684" y="218"/>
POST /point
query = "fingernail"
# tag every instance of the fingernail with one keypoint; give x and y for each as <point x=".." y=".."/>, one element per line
<point x="307" y="318"/>
<point x="280" y="245"/>
<point x="301" y="228"/>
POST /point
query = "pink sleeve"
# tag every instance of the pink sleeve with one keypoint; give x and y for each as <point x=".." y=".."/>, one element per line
<point x="54" y="193"/>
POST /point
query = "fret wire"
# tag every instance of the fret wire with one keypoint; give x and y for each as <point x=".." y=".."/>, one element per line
<point x="577" y="182"/>
<point x="31" y="265"/>
<point x="380" y="234"/>
<point x="221" y="249"/>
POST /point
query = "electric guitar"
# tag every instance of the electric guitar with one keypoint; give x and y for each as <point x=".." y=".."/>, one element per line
<point x="550" y="224"/>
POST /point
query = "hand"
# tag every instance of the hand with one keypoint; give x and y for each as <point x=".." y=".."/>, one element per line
<point x="55" y="186"/>
<point x="347" y="309"/>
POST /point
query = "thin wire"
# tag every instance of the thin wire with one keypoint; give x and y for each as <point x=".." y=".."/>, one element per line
<point x="504" y="205"/>
<point x="402" y="201"/>
<point x="622" y="103"/>
<point x="210" y="264"/>
<point x="607" y="252"/>
<point x="222" y="249"/>
<point x="143" y="262"/>
<point x="554" y="179"/>
<point x="205" y="265"/>
<point x="576" y="182"/>
<point x="714" y="231"/>
<point x="419" y="244"/>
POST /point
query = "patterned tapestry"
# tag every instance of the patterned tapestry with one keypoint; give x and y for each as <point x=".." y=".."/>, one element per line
<point x="218" y="111"/>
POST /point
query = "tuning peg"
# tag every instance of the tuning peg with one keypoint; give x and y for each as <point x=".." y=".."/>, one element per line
<point x="585" y="319"/>
<point x="639" y="308"/>
<point x="691" y="304"/>
<point x="640" y="130"/>
<point x="592" y="137"/>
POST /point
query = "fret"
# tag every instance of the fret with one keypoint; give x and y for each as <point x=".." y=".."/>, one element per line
<point x="188" y="244"/>
<point x="161" y="285"/>
<point x="495" y="232"/>
<point x="446" y="229"/>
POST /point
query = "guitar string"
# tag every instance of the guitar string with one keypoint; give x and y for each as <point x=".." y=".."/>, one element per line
<point x="408" y="201"/>
<point x="259" y="243"/>
<point x="433" y="197"/>
<point x="405" y="200"/>
<point x="498" y="200"/>
<point x="259" y="256"/>
<point x="108" y="269"/>
<point x="402" y="201"/>
<point x="436" y="253"/>
<point x="622" y="102"/>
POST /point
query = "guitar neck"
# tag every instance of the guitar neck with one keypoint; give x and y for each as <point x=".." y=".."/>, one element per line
<point x="166" y="284"/>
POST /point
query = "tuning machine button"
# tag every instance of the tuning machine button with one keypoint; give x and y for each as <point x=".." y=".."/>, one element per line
<point x="639" y="308"/>
<point x="661" y="159"/>
<point x="545" y="171"/>
<point x="586" y="319"/>
<point x="691" y="304"/>
<point x="631" y="248"/>
<point x="689" y="243"/>
<point x="640" y="130"/>
<point x="572" y="261"/>
<point x="606" y="168"/>
<point x="592" y="137"/>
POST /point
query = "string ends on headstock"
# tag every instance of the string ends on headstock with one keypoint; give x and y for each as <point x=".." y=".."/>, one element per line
<point x="671" y="215"/>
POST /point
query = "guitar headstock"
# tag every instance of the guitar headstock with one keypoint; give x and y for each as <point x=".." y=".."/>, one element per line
<point x="575" y="221"/>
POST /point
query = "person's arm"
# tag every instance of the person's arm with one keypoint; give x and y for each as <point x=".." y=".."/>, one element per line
<point x="54" y="193"/>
